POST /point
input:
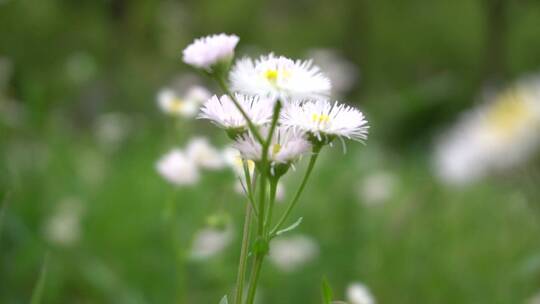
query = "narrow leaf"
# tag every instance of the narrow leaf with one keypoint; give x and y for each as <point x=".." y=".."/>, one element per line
<point x="291" y="227"/>
<point x="224" y="300"/>
<point x="40" y="284"/>
<point x="327" y="292"/>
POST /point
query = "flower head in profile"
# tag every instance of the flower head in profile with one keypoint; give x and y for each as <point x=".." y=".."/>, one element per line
<point x="185" y="106"/>
<point x="286" y="146"/>
<point x="206" y="52"/>
<point x="224" y="113"/>
<point x="279" y="77"/>
<point x="321" y="119"/>
<point x="177" y="168"/>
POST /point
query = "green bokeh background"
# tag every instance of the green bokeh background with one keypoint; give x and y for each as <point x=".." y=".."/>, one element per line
<point x="421" y="63"/>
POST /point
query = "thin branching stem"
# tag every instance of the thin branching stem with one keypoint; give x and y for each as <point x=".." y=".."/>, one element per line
<point x="313" y="159"/>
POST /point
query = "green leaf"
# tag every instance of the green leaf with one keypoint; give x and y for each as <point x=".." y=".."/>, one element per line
<point x="291" y="227"/>
<point x="326" y="292"/>
<point x="224" y="300"/>
<point x="38" y="289"/>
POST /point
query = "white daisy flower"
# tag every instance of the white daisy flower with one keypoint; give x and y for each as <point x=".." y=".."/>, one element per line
<point x="320" y="118"/>
<point x="290" y="253"/>
<point x="224" y="113"/>
<point x="206" y="52"/>
<point x="279" y="77"/>
<point x="358" y="293"/>
<point x="185" y="106"/>
<point x="177" y="168"/>
<point x="496" y="136"/>
<point x="200" y="151"/>
<point x="287" y="145"/>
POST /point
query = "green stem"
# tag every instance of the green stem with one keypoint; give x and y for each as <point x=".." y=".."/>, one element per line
<point x="250" y="124"/>
<point x="313" y="159"/>
<point x="243" y="257"/>
<point x="273" y="190"/>
<point x="255" y="274"/>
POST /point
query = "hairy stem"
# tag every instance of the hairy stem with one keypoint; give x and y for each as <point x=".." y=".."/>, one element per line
<point x="243" y="257"/>
<point x="255" y="274"/>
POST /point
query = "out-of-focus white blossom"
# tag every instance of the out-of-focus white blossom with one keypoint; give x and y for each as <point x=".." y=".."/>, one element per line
<point x="342" y="73"/>
<point x="377" y="188"/>
<point x="292" y="252"/>
<point x="224" y="113"/>
<point x="495" y="136"/>
<point x="200" y="151"/>
<point x="286" y="146"/>
<point x="63" y="227"/>
<point x="185" y="106"/>
<point x="112" y="129"/>
<point x="279" y="77"/>
<point x="210" y="241"/>
<point x="208" y="51"/>
<point x="358" y="293"/>
<point x="322" y="118"/>
<point x="177" y="168"/>
<point x="234" y="160"/>
<point x="535" y="299"/>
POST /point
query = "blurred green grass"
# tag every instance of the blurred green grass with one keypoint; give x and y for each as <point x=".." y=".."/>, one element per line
<point x="421" y="62"/>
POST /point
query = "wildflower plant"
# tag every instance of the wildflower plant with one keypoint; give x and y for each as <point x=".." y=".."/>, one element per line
<point x="275" y="110"/>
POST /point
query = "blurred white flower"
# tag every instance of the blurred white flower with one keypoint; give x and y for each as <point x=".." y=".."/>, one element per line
<point x="279" y="77"/>
<point x="112" y="129"/>
<point x="91" y="167"/>
<point x="495" y="136"/>
<point x="203" y="154"/>
<point x="358" y="293"/>
<point x="535" y="299"/>
<point x="208" y="51"/>
<point x="321" y="118"/>
<point x="63" y="226"/>
<point x="185" y="106"/>
<point x="80" y="67"/>
<point x="377" y="188"/>
<point x="234" y="160"/>
<point x="290" y="253"/>
<point x="342" y="73"/>
<point x="223" y="112"/>
<point x="211" y="241"/>
<point x="287" y="145"/>
<point x="177" y="168"/>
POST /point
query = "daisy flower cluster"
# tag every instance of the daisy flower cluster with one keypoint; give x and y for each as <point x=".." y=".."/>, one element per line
<point x="495" y="136"/>
<point x="275" y="110"/>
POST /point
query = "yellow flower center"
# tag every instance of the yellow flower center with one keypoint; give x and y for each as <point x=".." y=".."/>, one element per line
<point x="276" y="148"/>
<point x="320" y="118"/>
<point x="507" y="114"/>
<point x="272" y="75"/>
<point x="177" y="105"/>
